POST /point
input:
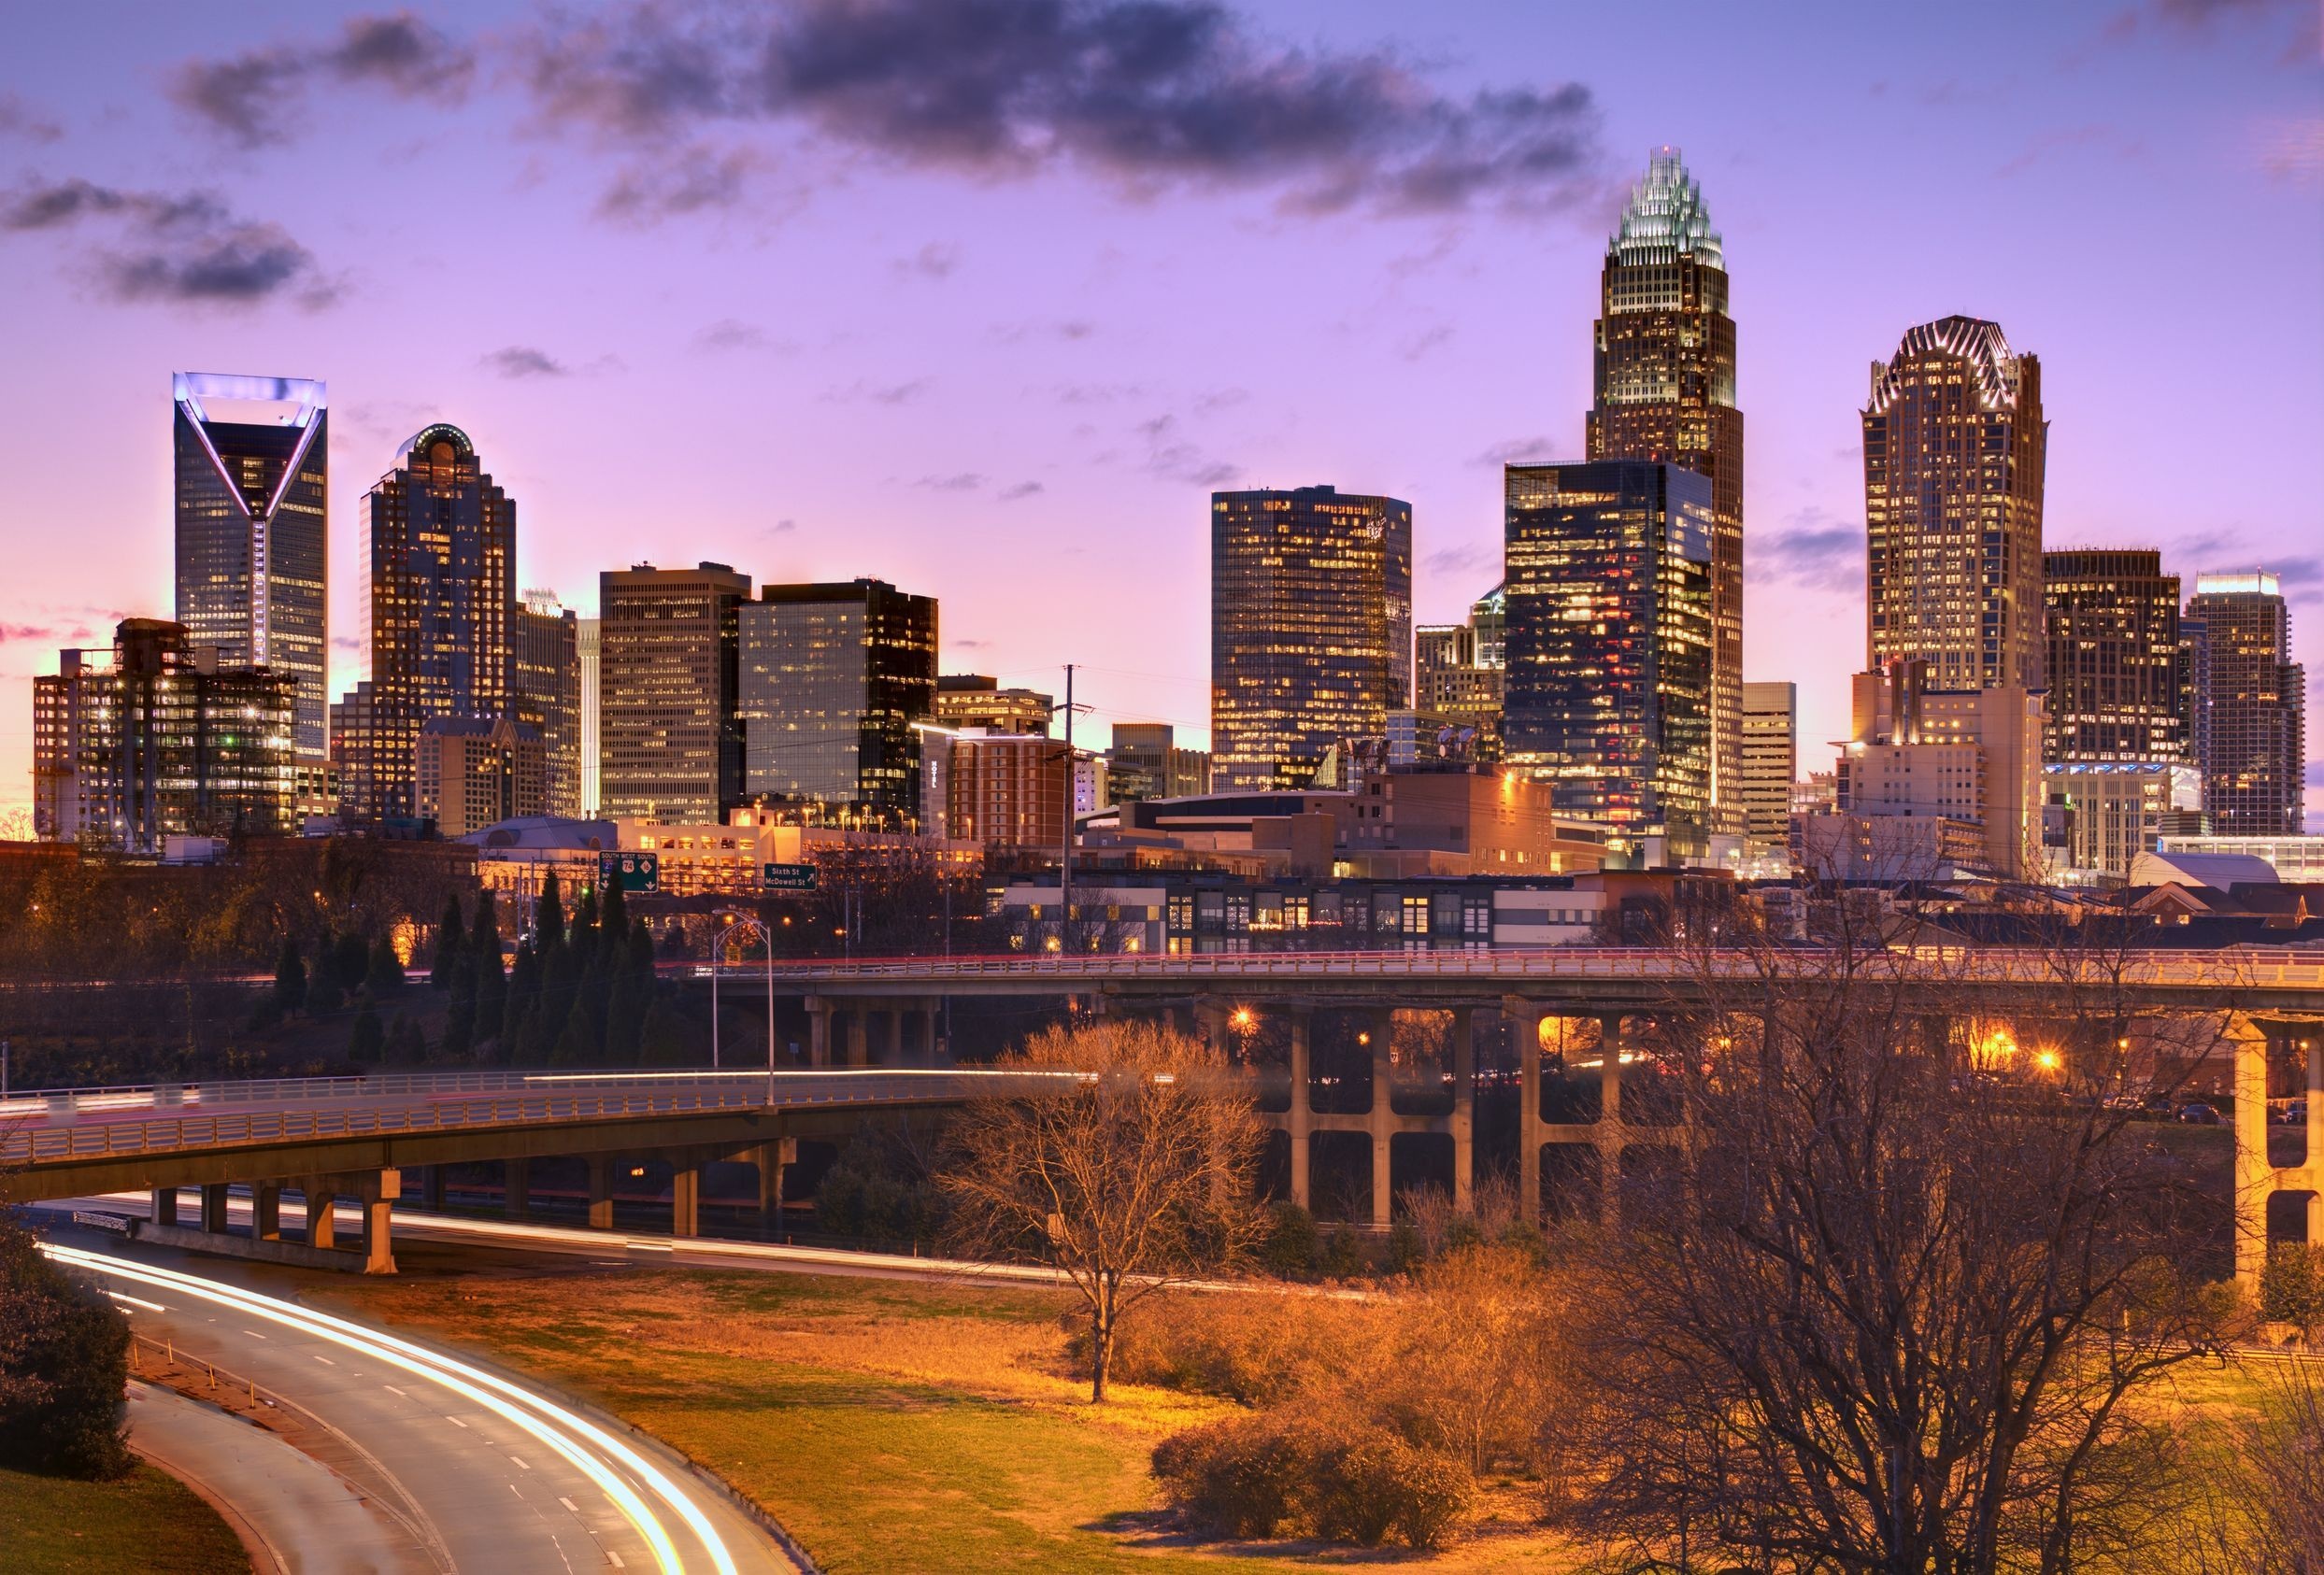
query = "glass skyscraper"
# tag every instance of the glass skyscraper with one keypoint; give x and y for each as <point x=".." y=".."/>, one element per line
<point x="253" y="496"/>
<point x="1609" y="637"/>
<point x="833" y="677"/>
<point x="544" y="691"/>
<point x="2112" y="617"/>
<point x="440" y="541"/>
<point x="1954" y="451"/>
<point x="1310" y="629"/>
<point x="2251" y="702"/>
<point x="1665" y="387"/>
<point x="668" y="730"/>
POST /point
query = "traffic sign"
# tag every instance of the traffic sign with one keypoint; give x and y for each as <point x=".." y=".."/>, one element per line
<point x="637" y="871"/>
<point x="787" y="877"/>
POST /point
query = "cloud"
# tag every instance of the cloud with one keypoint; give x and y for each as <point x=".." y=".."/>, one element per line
<point x="189" y="249"/>
<point x="2064" y="138"/>
<point x="934" y="260"/>
<point x="38" y="633"/>
<point x="523" y="361"/>
<point x="780" y="528"/>
<point x="1468" y="558"/>
<point x="1814" y="552"/>
<point x="346" y="642"/>
<point x="1022" y="489"/>
<point x="1148" y="92"/>
<point x="1515" y="450"/>
<point x="697" y="178"/>
<point x="1169" y="456"/>
<point x="732" y="333"/>
<point x="2292" y="148"/>
<point x="1071" y="330"/>
<point x="970" y="644"/>
<point x="255" y="98"/>
<point x="1415" y="345"/>
<point x="963" y="481"/>
<point x="878" y="393"/>
<point x="19" y="119"/>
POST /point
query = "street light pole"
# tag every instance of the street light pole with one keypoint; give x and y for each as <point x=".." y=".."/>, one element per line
<point x="718" y="955"/>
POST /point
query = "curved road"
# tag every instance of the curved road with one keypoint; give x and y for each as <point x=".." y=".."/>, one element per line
<point x="491" y="1474"/>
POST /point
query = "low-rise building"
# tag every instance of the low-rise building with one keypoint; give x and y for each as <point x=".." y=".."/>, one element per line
<point x="474" y="772"/>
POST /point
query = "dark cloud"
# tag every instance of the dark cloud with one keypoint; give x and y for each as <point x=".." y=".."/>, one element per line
<point x="19" y="119"/>
<point x="732" y="333"/>
<point x="255" y="98"/>
<point x="1516" y="450"/>
<point x="1142" y="91"/>
<point x="692" y="179"/>
<point x="38" y="633"/>
<point x="523" y="361"/>
<point x="962" y="481"/>
<point x="970" y="644"/>
<point x="934" y="261"/>
<point x="187" y="247"/>
<point x="346" y="642"/>
<point x="1022" y="489"/>
<point x="1814" y="551"/>
<point x="1173" y="458"/>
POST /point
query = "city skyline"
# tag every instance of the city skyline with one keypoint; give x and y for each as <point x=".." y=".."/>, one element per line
<point x="1106" y="401"/>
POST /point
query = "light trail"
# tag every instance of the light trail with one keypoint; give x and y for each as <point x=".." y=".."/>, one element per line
<point x="548" y="1423"/>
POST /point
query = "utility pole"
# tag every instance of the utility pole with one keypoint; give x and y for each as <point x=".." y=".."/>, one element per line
<point x="1065" y="866"/>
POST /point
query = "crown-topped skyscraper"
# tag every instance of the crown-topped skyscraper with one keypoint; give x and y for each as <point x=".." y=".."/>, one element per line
<point x="1665" y="385"/>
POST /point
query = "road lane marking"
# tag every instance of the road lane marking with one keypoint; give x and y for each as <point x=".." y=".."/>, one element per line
<point x="255" y="1334"/>
<point x="455" y="1421"/>
<point x="326" y="1361"/>
<point x="519" y="1460"/>
<point x="568" y="1503"/>
<point x="137" y="1301"/>
<point x="394" y="1391"/>
<point x="615" y="1559"/>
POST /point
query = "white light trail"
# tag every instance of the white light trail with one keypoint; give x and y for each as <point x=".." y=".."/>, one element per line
<point x="536" y="1416"/>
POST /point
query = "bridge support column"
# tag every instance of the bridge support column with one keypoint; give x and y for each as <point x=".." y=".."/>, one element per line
<point x="517" y="1188"/>
<point x="322" y="1224"/>
<point x="1302" y="1106"/>
<point x="686" y="1195"/>
<point x="818" y="1031"/>
<point x="1382" y="1034"/>
<point x="1464" y="1110"/>
<point x="771" y="1159"/>
<point x="1610" y="1118"/>
<point x="214" y="1208"/>
<point x="266" y="1211"/>
<point x="165" y="1209"/>
<point x="1525" y="1030"/>
<point x="2256" y="1179"/>
<point x="432" y="1188"/>
<point x="859" y="1049"/>
<point x="378" y="1190"/>
<point x="924" y="1052"/>
<point x="601" y="1192"/>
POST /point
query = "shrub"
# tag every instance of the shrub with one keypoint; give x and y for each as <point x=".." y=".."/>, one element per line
<point x="2292" y="1285"/>
<point x="64" y="1363"/>
<point x="1243" y="1477"/>
<point x="1342" y="1257"/>
<point x="1403" y="1247"/>
<point x="1292" y="1241"/>
<point x="1367" y="1482"/>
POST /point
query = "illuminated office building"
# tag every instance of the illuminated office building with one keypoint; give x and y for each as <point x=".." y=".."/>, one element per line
<point x="668" y="729"/>
<point x="586" y="644"/>
<point x="2250" y="706"/>
<point x="252" y="489"/>
<point x="1771" y="759"/>
<point x="1665" y="389"/>
<point x="971" y="700"/>
<point x="440" y="544"/>
<point x="1936" y="782"/>
<point x="1310" y="629"/>
<point x="2113" y="627"/>
<point x="474" y="771"/>
<point x="1954" y="447"/>
<point x="545" y="692"/>
<point x="159" y="738"/>
<point x="1147" y="762"/>
<point x="1610" y="647"/>
<point x="833" y="678"/>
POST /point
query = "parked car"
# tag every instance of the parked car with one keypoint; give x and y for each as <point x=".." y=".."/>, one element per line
<point x="2200" y="1114"/>
<point x="2292" y="1114"/>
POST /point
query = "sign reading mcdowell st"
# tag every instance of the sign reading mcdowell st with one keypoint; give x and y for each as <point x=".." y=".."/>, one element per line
<point x="787" y="877"/>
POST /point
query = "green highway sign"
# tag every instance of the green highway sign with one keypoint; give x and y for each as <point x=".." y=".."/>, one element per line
<point x="787" y="877"/>
<point x="637" y="871"/>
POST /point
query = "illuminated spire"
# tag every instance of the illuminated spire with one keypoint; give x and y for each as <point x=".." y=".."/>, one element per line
<point x="1665" y="219"/>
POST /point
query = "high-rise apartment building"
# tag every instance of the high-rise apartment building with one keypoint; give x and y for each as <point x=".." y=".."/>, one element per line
<point x="1934" y="783"/>
<point x="668" y="728"/>
<point x="971" y="700"/>
<point x="1146" y="762"/>
<point x="2251" y="703"/>
<point x="252" y="461"/>
<point x="2113" y="632"/>
<point x="588" y="643"/>
<point x="157" y="739"/>
<point x="545" y="692"/>
<point x="440" y="544"/>
<point x="1771" y="760"/>
<point x="1665" y="387"/>
<point x="1310" y="629"/>
<point x="1610" y="647"/>
<point x="1458" y="675"/>
<point x="475" y="771"/>
<point x="1954" y="447"/>
<point x="833" y="678"/>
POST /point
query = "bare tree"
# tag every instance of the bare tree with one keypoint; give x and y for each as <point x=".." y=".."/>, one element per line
<point x="1125" y="1156"/>
<point x="1908" y="1267"/>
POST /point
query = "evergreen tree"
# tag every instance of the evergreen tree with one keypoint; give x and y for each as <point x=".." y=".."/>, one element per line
<point x="579" y="1044"/>
<point x="549" y="918"/>
<point x="583" y="938"/>
<point x="613" y="919"/>
<point x="290" y="977"/>
<point x="350" y="961"/>
<point x="384" y="973"/>
<point x="407" y="1045"/>
<point x="367" y="1042"/>
<point x="460" y="1009"/>
<point x="324" y="995"/>
<point x="545" y="1021"/>
<point x="491" y="983"/>
<point x="667" y="1040"/>
<point x="524" y="989"/>
<point x="452" y="944"/>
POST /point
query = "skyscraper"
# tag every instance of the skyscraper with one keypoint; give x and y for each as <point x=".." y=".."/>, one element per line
<point x="1665" y="385"/>
<point x="1310" y="629"/>
<point x="833" y="677"/>
<point x="1771" y="759"/>
<point x="2251" y="702"/>
<point x="1954" y="445"/>
<point x="669" y="733"/>
<point x="2112" y="620"/>
<point x="1609" y="646"/>
<point x="588" y="643"/>
<point x="252" y="510"/>
<point x="974" y="700"/>
<point x="545" y="690"/>
<point x="440" y="542"/>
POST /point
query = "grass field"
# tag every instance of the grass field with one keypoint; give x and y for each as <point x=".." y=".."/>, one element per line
<point x="889" y="1426"/>
<point x="147" y="1524"/>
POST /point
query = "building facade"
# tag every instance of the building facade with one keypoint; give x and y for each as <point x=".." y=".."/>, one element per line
<point x="1770" y="761"/>
<point x="1146" y="762"/>
<point x="1005" y="792"/>
<point x="1453" y="679"/>
<point x="1609" y="646"/>
<point x="1310" y="628"/>
<point x="1966" y="764"/>
<point x="971" y="700"/>
<point x="159" y="739"/>
<point x="2251" y="705"/>
<point x="1955" y="446"/>
<point x="440" y="545"/>
<point x="544" y="691"/>
<point x="2112" y="628"/>
<point x="474" y="772"/>
<point x="669" y="728"/>
<point x="833" y="677"/>
<point x="1665" y="389"/>
<point x="587" y="643"/>
<point x="252" y="504"/>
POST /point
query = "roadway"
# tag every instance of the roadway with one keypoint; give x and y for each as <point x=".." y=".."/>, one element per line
<point x="481" y="1470"/>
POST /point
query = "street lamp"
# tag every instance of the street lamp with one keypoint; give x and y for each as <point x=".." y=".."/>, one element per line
<point x="744" y="924"/>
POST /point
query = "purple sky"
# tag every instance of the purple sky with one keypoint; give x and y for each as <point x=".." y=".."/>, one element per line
<point x="983" y="297"/>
